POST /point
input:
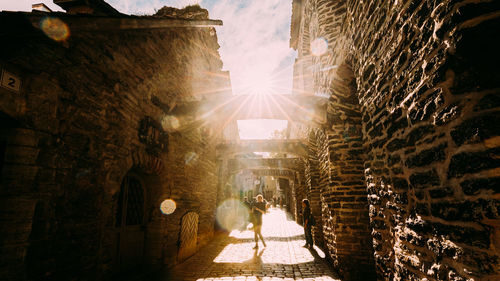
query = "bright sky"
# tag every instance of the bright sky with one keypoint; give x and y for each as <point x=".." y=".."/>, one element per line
<point x="254" y="44"/>
<point x="260" y="129"/>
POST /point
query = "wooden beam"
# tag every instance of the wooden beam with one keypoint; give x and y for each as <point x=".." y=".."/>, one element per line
<point x="294" y="147"/>
<point x="239" y="164"/>
<point x="279" y="173"/>
<point x="307" y="109"/>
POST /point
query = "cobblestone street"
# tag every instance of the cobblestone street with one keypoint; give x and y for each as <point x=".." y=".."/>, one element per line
<point x="233" y="257"/>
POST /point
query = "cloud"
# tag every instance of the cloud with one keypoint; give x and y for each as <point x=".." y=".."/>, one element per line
<point x="254" y="43"/>
<point x="148" y="7"/>
<point x="254" y="38"/>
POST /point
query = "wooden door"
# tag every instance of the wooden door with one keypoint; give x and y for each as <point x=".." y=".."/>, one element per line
<point x="130" y="224"/>
<point x="189" y="235"/>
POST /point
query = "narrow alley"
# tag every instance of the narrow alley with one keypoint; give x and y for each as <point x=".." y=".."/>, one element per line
<point x="133" y="132"/>
<point x="233" y="257"/>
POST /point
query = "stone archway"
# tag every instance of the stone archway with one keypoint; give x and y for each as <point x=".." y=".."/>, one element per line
<point x="130" y="223"/>
<point x="149" y="171"/>
<point x="35" y="263"/>
<point x="22" y="229"/>
<point x="340" y="155"/>
<point x="314" y="187"/>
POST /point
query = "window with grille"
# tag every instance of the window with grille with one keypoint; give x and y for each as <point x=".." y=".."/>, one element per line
<point x="130" y="209"/>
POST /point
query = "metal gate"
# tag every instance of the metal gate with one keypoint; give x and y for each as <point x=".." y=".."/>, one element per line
<point x="130" y="224"/>
<point x="189" y="235"/>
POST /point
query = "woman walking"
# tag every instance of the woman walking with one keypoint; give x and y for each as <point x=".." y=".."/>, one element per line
<point x="258" y="208"/>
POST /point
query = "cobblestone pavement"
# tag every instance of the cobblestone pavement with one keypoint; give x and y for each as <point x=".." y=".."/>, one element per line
<point x="232" y="257"/>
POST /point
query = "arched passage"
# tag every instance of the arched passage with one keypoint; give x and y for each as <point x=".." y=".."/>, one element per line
<point x="24" y="222"/>
<point x="40" y="229"/>
<point x="138" y="223"/>
<point x="334" y="180"/>
<point x="341" y="182"/>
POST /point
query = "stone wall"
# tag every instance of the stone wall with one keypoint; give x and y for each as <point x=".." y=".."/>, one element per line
<point x="337" y="147"/>
<point x="312" y="174"/>
<point x="92" y="109"/>
<point x="414" y="92"/>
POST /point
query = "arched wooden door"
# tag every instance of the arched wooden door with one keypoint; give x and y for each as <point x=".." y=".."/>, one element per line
<point x="189" y="235"/>
<point x="130" y="224"/>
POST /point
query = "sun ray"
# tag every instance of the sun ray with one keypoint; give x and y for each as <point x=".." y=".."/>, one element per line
<point x="268" y="106"/>
<point x="236" y="111"/>
<point x="252" y="106"/>
<point x="302" y="91"/>
<point x="219" y="106"/>
<point x="280" y="108"/>
<point x="296" y="105"/>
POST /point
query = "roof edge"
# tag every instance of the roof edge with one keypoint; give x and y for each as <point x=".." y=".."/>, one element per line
<point x="295" y="23"/>
<point x="87" y="22"/>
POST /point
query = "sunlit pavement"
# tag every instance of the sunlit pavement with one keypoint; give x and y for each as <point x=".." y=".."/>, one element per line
<point x="232" y="258"/>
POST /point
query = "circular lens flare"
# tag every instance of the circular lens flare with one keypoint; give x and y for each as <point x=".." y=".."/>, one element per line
<point x="232" y="214"/>
<point x="168" y="206"/>
<point x="319" y="46"/>
<point x="54" y="28"/>
<point x="170" y="123"/>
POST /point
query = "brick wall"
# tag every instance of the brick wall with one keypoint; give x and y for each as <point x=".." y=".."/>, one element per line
<point x="413" y="92"/>
<point x="78" y="134"/>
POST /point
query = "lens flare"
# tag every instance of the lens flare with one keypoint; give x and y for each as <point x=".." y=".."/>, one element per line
<point x="168" y="206"/>
<point x="319" y="46"/>
<point x="170" y="123"/>
<point x="190" y="158"/>
<point x="54" y="28"/>
<point x="232" y="214"/>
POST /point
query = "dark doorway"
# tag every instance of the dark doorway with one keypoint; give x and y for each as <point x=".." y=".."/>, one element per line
<point x="130" y="224"/>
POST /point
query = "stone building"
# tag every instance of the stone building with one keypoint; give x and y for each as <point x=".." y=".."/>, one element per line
<point x="404" y="175"/>
<point x="97" y="131"/>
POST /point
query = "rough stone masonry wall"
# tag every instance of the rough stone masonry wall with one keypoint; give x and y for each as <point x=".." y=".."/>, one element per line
<point x="428" y="84"/>
<point x="427" y="80"/>
<point x="79" y="116"/>
<point x="299" y="193"/>
<point x="312" y="175"/>
<point x="339" y="150"/>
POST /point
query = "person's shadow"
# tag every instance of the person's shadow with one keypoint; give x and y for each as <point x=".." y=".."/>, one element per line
<point x="314" y="253"/>
<point x="257" y="256"/>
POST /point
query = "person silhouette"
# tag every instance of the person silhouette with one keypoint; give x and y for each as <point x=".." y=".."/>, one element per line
<point x="307" y="219"/>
